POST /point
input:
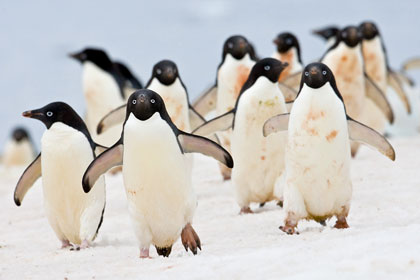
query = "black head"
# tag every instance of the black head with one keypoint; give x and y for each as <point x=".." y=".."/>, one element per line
<point x="315" y="75"/>
<point x="20" y="134"/>
<point x="96" y="56"/>
<point x="165" y="71"/>
<point x="269" y="68"/>
<point x="369" y="30"/>
<point x="237" y="46"/>
<point x="350" y="36"/>
<point x="144" y="103"/>
<point x="327" y="32"/>
<point x="285" y="41"/>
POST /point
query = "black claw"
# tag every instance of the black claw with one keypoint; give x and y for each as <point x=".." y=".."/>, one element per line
<point x="186" y="247"/>
<point x="280" y="203"/>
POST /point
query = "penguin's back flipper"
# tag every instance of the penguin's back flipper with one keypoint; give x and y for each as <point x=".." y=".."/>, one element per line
<point x="289" y="93"/>
<point x="366" y="135"/>
<point x="28" y="178"/>
<point x="114" y="117"/>
<point x="395" y="82"/>
<point x="220" y="123"/>
<point x="195" y="118"/>
<point x="293" y="81"/>
<point x="378" y="97"/>
<point x="276" y="124"/>
<point x="110" y="158"/>
<point x="412" y="63"/>
<point x="206" y="102"/>
<point x="197" y="144"/>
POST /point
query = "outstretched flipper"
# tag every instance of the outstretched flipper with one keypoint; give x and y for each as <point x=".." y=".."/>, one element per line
<point x="99" y="149"/>
<point x="293" y="81"/>
<point x="206" y="102"/>
<point x="276" y="124"/>
<point x="195" y="118"/>
<point x="114" y="117"/>
<point x="220" y="123"/>
<point x="395" y="82"/>
<point x="378" y="97"/>
<point x="197" y="144"/>
<point x="412" y="63"/>
<point x="27" y="180"/>
<point x="289" y="93"/>
<point x="110" y="158"/>
<point x="366" y="135"/>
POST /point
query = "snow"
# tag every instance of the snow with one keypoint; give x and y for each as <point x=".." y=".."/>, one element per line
<point x="383" y="240"/>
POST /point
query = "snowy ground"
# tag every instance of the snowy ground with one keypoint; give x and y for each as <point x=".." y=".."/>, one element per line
<point x="383" y="240"/>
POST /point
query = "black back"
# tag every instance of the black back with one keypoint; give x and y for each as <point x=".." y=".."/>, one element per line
<point x="127" y="75"/>
<point x="285" y="41"/>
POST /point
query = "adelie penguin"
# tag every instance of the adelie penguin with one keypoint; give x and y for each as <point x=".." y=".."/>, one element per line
<point x="259" y="161"/>
<point x="19" y="149"/>
<point x="66" y="151"/>
<point x="130" y="82"/>
<point x="318" y="184"/>
<point x="359" y="92"/>
<point x="237" y="61"/>
<point x="328" y="33"/>
<point x="152" y="152"/>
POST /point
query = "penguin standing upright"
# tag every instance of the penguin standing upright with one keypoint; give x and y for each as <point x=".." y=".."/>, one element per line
<point x="237" y="61"/>
<point x="318" y="184"/>
<point x="19" y="149"/>
<point x="288" y="50"/>
<point x="103" y="89"/>
<point x="67" y="149"/>
<point x="155" y="171"/>
<point x="259" y="161"/>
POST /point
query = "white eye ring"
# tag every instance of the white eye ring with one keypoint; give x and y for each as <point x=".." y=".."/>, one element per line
<point x="134" y="101"/>
<point x="152" y="101"/>
<point x="158" y="71"/>
<point x="267" y="67"/>
<point x="306" y="73"/>
<point x="49" y="114"/>
<point x="230" y="45"/>
<point x="324" y="72"/>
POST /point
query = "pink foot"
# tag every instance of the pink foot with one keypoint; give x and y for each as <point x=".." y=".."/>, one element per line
<point x="84" y="245"/>
<point x="246" y="210"/>
<point x="144" y="253"/>
<point x="65" y="244"/>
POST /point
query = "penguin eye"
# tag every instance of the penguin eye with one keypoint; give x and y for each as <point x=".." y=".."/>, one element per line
<point x="306" y="73"/>
<point x="230" y="45"/>
<point x="134" y="102"/>
<point x="49" y="114"/>
<point x="324" y="72"/>
<point x="267" y="67"/>
<point x="158" y="71"/>
<point x="288" y="41"/>
<point x="152" y="101"/>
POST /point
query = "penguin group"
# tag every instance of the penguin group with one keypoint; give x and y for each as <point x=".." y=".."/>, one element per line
<point x="282" y="131"/>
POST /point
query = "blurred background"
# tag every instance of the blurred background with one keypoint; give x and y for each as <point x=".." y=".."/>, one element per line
<point x="38" y="35"/>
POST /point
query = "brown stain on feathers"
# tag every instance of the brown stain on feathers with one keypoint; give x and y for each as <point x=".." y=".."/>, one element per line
<point x="331" y="135"/>
<point x="286" y="57"/>
<point x="243" y="73"/>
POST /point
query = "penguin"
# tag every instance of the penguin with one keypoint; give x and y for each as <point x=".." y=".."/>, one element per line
<point x="359" y="92"/>
<point x="317" y="176"/>
<point x="288" y="50"/>
<point x="237" y="60"/>
<point x="67" y="150"/>
<point x="259" y="161"/>
<point x="167" y="82"/>
<point x="327" y="33"/>
<point x="152" y="153"/>
<point x="19" y="149"/>
<point x="103" y="89"/>
<point x="130" y="82"/>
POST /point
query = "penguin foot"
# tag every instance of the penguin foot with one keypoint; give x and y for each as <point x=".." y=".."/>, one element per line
<point x="341" y="223"/>
<point x="262" y="204"/>
<point x="84" y="245"/>
<point x="246" y="210"/>
<point x="289" y="228"/>
<point x="226" y="177"/>
<point x="144" y="253"/>
<point x="164" y="251"/>
<point x="65" y="244"/>
<point x="190" y="239"/>
<point x="323" y="223"/>
<point x="280" y="203"/>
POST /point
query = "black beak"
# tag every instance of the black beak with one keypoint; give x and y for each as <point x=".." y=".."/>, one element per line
<point x="34" y="114"/>
<point x="77" y="56"/>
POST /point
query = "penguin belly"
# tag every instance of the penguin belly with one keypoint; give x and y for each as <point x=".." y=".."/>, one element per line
<point x="259" y="160"/>
<point x="73" y="214"/>
<point x="18" y="153"/>
<point x="157" y="182"/>
<point x="317" y="157"/>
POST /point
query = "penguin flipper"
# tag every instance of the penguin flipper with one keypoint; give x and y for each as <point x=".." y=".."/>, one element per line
<point x="412" y="63"/>
<point x="110" y="158"/>
<point x="114" y="117"/>
<point x="289" y="93"/>
<point x="378" y="97"/>
<point x="289" y="106"/>
<point x="206" y="102"/>
<point x="28" y="178"/>
<point x="395" y="83"/>
<point x="366" y="135"/>
<point x="197" y="144"/>
<point x="220" y="123"/>
<point x="293" y="81"/>
<point x="99" y="149"/>
<point x="405" y="78"/>
<point x="276" y="124"/>
<point x="197" y="120"/>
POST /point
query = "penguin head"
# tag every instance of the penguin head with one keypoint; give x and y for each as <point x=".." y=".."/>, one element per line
<point x="56" y="112"/>
<point x="327" y="32"/>
<point x="269" y="68"/>
<point x="315" y="75"/>
<point x="144" y="103"/>
<point x="20" y="134"/>
<point x="96" y="56"/>
<point x="285" y="41"/>
<point x="237" y="46"/>
<point x="369" y="30"/>
<point x="165" y="71"/>
<point x="350" y="35"/>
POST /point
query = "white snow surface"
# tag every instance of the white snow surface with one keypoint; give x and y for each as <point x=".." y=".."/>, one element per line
<point x="383" y="241"/>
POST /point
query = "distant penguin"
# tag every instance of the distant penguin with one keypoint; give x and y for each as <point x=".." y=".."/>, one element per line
<point x="152" y="151"/>
<point x="318" y="184"/>
<point x="359" y="92"/>
<point x="67" y="149"/>
<point x="259" y="161"/>
<point x="328" y="33"/>
<point x="237" y="61"/>
<point x="130" y="82"/>
<point x="288" y="50"/>
<point x="19" y="149"/>
<point x="103" y="89"/>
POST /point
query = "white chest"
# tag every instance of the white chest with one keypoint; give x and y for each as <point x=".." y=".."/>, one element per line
<point x="375" y="64"/>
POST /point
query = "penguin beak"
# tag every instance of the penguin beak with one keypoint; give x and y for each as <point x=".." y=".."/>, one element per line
<point x="34" y="114"/>
<point x="276" y="41"/>
<point x="78" y="56"/>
